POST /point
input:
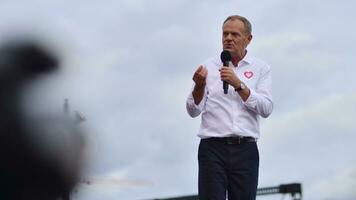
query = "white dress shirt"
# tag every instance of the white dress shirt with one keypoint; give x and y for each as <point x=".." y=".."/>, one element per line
<point x="227" y="115"/>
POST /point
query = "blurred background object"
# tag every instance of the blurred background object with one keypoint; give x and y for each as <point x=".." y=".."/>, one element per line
<point x="40" y="154"/>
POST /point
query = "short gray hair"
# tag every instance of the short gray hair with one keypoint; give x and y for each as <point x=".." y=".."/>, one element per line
<point x="247" y="24"/>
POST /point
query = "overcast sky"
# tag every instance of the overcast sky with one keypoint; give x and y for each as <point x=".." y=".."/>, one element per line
<point x="127" y="65"/>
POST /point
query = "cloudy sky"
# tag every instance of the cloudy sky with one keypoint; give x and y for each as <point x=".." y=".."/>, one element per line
<point x="127" y="65"/>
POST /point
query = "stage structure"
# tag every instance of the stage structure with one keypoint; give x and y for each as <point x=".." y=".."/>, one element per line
<point x="294" y="189"/>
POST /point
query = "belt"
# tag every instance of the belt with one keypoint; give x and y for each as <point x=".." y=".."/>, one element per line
<point x="231" y="140"/>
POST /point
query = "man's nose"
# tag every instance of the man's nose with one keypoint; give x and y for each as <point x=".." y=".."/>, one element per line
<point x="228" y="36"/>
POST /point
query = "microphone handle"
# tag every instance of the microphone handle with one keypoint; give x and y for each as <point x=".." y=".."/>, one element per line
<point x="225" y="84"/>
<point x="225" y="87"/>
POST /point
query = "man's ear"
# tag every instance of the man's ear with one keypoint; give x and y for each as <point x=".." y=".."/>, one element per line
<point x="249" y="38"/>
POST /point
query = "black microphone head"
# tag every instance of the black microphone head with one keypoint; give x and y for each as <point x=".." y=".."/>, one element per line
<point x="225" y="56"/>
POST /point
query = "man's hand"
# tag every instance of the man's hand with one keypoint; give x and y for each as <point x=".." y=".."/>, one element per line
<point x="200" y="80"/>
<point x="227" y="74"/>
<point x="200" y="76"/>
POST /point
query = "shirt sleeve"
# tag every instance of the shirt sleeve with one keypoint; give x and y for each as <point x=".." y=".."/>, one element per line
<point x="193" y="109"/>
<point x="260" y="100"/>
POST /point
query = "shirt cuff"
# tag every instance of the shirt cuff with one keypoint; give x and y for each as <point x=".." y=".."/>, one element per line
<point x="252" y="99"/>
<point x="192" y="104"/>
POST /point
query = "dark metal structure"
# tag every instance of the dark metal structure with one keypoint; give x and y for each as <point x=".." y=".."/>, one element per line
<point x="294" y="189"/>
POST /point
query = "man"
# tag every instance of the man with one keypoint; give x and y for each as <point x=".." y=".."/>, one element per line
<point x="228" y="155"/>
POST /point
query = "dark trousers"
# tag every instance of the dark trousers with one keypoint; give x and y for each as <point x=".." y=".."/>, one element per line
<point x="227" y="169"/>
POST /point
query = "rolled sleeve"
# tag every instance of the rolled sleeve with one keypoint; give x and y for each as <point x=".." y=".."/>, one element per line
<point x="260" y="101"/>
<point x="193" y="109"/>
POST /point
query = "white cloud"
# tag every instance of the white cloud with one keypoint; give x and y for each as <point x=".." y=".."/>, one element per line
<point x="340" y="185"/>
<point x="310" y="143"/>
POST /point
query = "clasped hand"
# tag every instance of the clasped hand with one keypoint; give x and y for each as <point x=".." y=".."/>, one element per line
<point x="200" y="76"/>
<point x="227" y="74"/>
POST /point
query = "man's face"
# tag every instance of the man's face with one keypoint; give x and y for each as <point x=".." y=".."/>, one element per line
<point x="234" y="38"/>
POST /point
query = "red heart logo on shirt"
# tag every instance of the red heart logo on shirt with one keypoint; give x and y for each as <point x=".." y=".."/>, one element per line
<point x="248" y="74"/>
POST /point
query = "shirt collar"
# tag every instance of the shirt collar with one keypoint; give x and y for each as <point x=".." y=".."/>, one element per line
<point x="247" y="58"/>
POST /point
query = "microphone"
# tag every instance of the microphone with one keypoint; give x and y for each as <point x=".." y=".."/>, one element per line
<point x="225" y="57"/>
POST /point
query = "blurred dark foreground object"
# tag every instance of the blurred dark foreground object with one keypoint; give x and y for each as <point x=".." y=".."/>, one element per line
<point x="40" y="156"/>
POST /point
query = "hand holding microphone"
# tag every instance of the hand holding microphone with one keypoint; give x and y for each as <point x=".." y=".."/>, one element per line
<point x="225" y="57"/>
<point x="227" y="74"/>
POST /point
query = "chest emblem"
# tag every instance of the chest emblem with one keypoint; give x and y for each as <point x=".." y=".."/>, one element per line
<point x="248" y="74"/>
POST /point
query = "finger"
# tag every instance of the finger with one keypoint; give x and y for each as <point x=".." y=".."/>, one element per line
<point x="222" y="72"/>
<point x="200" y="68"/>
<point x="223" y="78"/>
<point x="226" y="76"/>
<point x="224" y="69"/>
<point x="204" y="71"/>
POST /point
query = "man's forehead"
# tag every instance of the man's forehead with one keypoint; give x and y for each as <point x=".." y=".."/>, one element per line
<point x="233" y="22"/>
<point x="233" y="25"/>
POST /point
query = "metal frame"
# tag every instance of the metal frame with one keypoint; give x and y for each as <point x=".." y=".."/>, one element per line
<point x="294" y="189"/>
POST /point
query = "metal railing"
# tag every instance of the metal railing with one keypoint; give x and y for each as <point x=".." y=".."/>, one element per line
<point x="294" y="189"/>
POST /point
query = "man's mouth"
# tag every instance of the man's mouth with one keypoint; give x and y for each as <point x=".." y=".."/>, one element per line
<point x="228" y="45"/>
